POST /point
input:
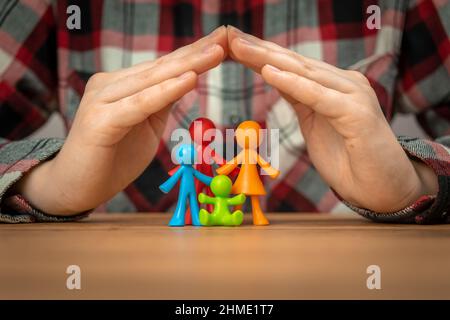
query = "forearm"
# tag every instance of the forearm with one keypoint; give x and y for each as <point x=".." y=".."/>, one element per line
<point x="207" y="200"/>
<point x="237" y="200"/>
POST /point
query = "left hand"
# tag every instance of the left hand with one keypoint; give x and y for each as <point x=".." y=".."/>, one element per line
<point x="201" y="197"/>
<point x="347" y="136"/>
<point x="117" y="129"/>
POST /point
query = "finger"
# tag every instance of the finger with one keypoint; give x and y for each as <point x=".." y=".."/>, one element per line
<point x="303" y="111"/>
<point x="159" y="119"/>
<point x="323" y="100"/>
<point x="218" y="36"/>
<point x="234" y="33"/>
<point x="136" y="108"/>
<point x="255" y="57"/>
<point x="198" y="62"/>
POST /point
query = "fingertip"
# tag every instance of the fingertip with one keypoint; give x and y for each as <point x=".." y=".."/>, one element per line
<point x="220" y="31"/>
<point x="233" y="31"/>
<point x="271" y="68"/>
<point x="236" y="47"/>
<point x="213" y="49"/>
<point x="223" y="32"/>
<point x="185" y="75"/>
<point x="243" y="48"/>
<point x="189" y="78"/>
<point x="219" y="37"/>
<point x="219" y="52"/>
<point x="268" y="71"/>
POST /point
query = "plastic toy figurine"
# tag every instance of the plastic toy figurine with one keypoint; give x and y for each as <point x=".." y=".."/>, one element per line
<point x="186" y="156"/>
<point x="248" y="181"/>
<point x="221" y="216"/>
<point x="206" y="156"/>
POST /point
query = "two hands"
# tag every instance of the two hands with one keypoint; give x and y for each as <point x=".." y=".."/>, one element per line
<point x="122" y="115"/>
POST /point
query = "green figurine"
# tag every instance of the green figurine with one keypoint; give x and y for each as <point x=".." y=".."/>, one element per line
<point x="221" y="216"/>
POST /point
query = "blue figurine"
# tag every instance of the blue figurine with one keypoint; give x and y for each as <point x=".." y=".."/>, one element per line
<point x="186" y="156"/>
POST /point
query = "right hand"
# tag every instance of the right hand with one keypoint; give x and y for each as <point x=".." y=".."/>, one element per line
<point x="241" y="198"/>
<point x="201" y="198"/>
<point x="117" y="129"/>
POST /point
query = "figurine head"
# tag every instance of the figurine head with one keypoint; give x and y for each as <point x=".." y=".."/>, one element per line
<point x="248" y="135"/>
<point x="221" y="186"/>
<point x="186" y="154"/>
<point x="198" y="128"/>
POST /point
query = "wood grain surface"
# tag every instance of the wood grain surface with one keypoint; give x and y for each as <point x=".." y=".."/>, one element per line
<point x="299" y="256"/>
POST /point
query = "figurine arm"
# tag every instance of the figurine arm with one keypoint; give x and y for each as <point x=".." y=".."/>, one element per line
<point x="230" y="165"/>
<point x="217" y="158"/>
<point x="203" y="198"/>
<point x="271" y="171"/>
<point x="220" y="161"/>
<point x="202" y="177"/>
<point x="171" y="182"/>
<point x="236" y="200"/>
<point x="173" y="171"/>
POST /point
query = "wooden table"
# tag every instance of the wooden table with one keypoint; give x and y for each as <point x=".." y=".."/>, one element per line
<point x="136" y="256"/>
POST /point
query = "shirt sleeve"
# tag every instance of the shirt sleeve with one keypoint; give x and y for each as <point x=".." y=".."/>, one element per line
<point x="16" y="159"/>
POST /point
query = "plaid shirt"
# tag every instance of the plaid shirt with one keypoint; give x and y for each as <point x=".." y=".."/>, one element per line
<point x="44" y="67"/>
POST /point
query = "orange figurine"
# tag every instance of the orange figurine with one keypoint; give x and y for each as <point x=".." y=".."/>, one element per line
<point x="248" y="181"/>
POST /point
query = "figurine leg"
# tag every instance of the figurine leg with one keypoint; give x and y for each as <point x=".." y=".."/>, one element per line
<point x="194" y="209"/>
<point x="204" y="217"/>
<point x="198" y="189"/>
<point x="233" y="219"/>
<point x="178" y="216"/>
<point x="237" y="217"/>
<point x="258" y="216"/>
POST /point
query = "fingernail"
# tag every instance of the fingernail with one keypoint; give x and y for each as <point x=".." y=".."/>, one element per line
<point x="246" y="42"/>
<point x="185" y="75"/>
<point x="274" y="69"/>
<point x="236" y="29"/>
<point x="209" y="48"/>
<point x="216" y="31"/>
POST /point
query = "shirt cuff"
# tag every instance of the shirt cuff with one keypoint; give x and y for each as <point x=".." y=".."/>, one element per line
<point x="16" y="209"/>
<point x="428" y="209"/>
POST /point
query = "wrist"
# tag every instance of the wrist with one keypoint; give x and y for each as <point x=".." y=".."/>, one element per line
<point x="40" y="188"/>
<point x="422" y="182"/>
<point x="428" y="178"/>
